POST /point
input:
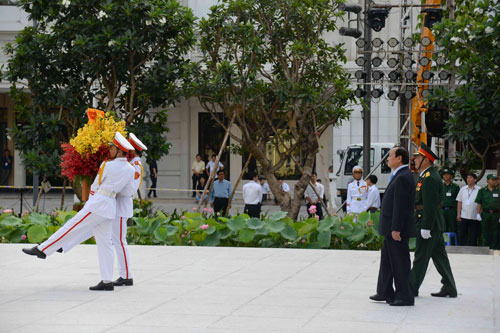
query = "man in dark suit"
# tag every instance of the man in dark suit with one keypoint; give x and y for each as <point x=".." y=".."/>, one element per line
<point x="397" y="225"/>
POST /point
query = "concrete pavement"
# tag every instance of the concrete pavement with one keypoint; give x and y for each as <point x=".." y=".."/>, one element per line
<point x="203" y="289"/>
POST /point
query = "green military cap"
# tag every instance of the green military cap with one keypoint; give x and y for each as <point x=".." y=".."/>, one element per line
<point x="426" y="152"/>
<point x="491" y="176"/>
<point x="448" y="170"/>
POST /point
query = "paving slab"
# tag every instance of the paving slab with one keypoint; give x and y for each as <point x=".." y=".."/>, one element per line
<point x="222" y="289"/>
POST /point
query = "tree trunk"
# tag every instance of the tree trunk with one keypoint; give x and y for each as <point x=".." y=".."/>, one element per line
<point x="301" y="185"/>
<point x="286" y="202"/>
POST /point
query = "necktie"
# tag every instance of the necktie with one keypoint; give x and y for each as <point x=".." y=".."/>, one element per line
<point x="392" y="176"/>
<point x="358" y="183"/>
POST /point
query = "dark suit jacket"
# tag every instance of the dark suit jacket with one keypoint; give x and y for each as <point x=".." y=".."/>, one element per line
<point x="397" y="212"/>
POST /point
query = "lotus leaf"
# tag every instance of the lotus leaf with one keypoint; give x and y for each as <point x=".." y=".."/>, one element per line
<point x="289" y="233"/>
<point x="246" y="235"/>
<point x="37" y="233"/>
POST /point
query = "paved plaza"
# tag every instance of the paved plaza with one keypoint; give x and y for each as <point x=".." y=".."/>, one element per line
<point x="204" y="289"/>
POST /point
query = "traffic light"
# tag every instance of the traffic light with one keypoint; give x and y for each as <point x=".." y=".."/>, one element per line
<point x="376" y="17"/>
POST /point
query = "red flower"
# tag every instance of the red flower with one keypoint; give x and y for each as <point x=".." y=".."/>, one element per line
<point x="73" y="164"/>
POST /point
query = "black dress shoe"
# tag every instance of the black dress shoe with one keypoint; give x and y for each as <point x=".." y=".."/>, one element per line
<point x="34" y="251"/>
<point x="103" y="286"/>
<point x="444" y="293"/>
<point x="60" y="250"/>
<point x="398" y="302"/>
<point x="123" y="282"/>
<point x="381" y="298"/>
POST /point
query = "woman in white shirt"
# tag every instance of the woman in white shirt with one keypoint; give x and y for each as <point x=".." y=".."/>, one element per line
<point x="467" y="216"/>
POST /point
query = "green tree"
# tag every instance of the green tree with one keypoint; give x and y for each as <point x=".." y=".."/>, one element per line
<point x="267" y="64"/>
<point x="126" y="56"/>
<point x="471" y="44"/>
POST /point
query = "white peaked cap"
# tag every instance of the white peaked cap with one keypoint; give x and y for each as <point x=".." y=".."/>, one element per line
<point x="357" y="167"/>
<point x="134" y="141"/>
<point x="122" y="143"/>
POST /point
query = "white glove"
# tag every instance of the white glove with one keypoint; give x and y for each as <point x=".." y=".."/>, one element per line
<point x="426" y="234"/>
<point x="479" y="217"/>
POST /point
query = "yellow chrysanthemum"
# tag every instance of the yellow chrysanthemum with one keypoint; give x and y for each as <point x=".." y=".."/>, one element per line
<point x="92" y="136"/>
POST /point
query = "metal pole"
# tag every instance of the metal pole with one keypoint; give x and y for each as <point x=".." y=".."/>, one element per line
<point x="35" y="188"/>
<point x="367" y="106"/>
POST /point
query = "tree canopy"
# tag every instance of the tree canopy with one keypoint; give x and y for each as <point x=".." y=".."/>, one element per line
<point x="268" y="64"/>
<point x="471" y="44"/>
<point x="123" y="56"/>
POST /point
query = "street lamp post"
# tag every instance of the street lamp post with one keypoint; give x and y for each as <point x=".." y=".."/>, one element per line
<point x="367" y="81"/>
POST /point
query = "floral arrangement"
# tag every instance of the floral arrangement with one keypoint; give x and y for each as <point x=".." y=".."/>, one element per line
<point x="94" y="134"/>
<point x="85" y="152"/>
<point x="73" y="164"/>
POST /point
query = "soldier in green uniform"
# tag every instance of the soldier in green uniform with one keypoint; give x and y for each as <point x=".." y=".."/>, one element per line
<point x="488" y="205"/>
<point x="430" y="225"/>
<point x="450" y="201"/>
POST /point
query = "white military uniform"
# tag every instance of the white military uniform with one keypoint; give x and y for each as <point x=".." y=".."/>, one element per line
<point x="357" y="193"/>
<point x="124" y="210"/>
<point x="97" y="215"/>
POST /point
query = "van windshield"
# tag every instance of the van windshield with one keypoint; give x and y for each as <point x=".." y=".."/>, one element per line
<point x="354" y="156"/>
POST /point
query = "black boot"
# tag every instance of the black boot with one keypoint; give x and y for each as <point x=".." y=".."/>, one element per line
<point x="34" y="251"/>
<point x="444" y="293"/>
<point x="123" y="282"/>
<point x="103" y="286"/>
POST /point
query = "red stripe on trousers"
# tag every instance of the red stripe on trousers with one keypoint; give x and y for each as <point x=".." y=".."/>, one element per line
<point x="123" y="248"/>
<point x="66" y="232"/>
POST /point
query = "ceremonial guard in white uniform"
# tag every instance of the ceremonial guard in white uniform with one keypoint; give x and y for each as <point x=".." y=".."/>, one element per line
<point x="124" y="210"/>
<point x="97" y="215"/>
<point x="357" y="192"/>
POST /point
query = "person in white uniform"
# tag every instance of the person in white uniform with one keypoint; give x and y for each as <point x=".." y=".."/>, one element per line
<point x="97" y="214"/>
<point x="124" y="210"/>
<point x="252" y="196"/>
<point x="373" y="200"/>
<point x="357" y="192"/>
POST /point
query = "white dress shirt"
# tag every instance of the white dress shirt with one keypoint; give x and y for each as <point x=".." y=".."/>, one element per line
<point x="467" y="197"/>
<point x="399" y="168"/>
<point x="373" y="197"/>
<point x="309" y="192"/>
<point x="211" y="164"/>
<point x="265" y="188"/>
<point x="252" y="193"/>
<point x="285" y="187"/>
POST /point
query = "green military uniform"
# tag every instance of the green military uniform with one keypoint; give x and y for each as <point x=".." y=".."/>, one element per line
<point x="429" y="216"/>
<point x="450" y="204"/>
<point x="490" y="215"/>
